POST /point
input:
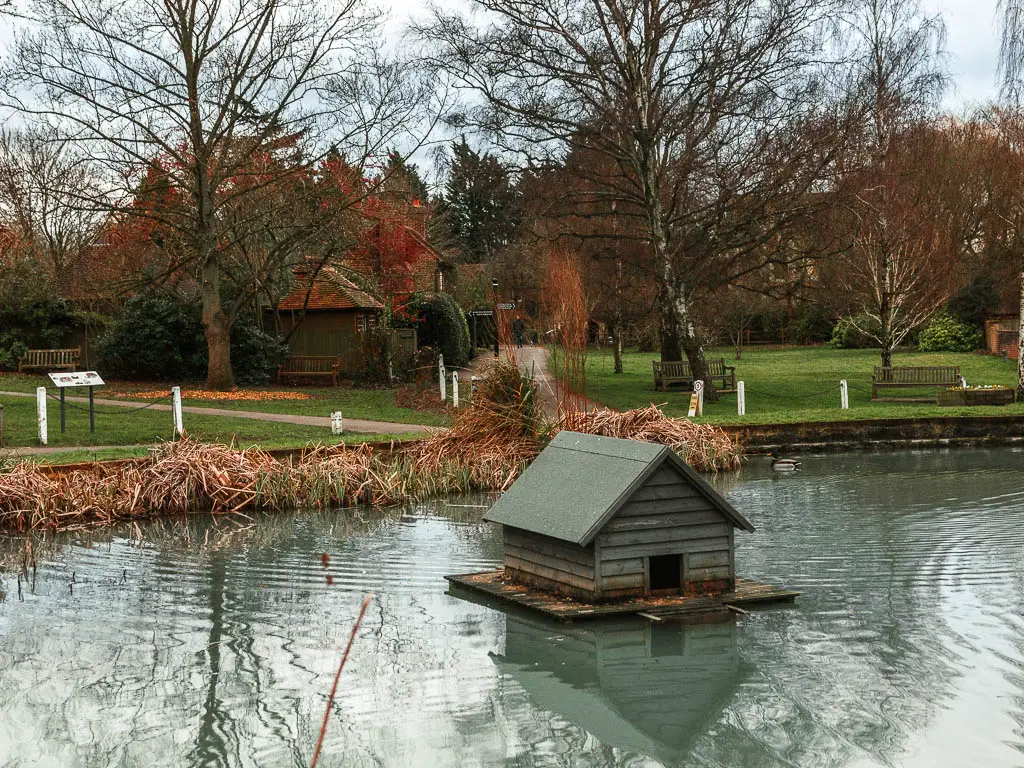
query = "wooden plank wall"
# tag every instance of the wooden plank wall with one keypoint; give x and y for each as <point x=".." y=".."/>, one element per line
<point x="550" y="560"/>
<point x="666" y="516"/>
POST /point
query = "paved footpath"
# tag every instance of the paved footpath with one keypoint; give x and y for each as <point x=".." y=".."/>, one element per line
<point x="533" y="360"/>
<point x="351" y="425"/>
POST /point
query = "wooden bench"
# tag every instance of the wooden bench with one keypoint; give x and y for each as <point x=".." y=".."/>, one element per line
<point x="937" y="376"/>
<point x="50" y="360"/>
<point x="722" y="376"/>
<point x="298" y="367"/>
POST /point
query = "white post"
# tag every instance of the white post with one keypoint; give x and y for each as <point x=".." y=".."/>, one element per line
<point x="844" y="395"/>
<point x="698" y="387"/>
<point x="443" y="381"/>
<point x="963" y="382"/>
<point x="741" y="399"/>
<point x="41" y="413"/>
<point x="337" y="423"/>
<point x="176" y="410"/>
<point x="455" y="389"/>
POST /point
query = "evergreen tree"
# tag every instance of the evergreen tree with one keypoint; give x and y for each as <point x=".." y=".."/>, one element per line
<point x="481" y="210"/>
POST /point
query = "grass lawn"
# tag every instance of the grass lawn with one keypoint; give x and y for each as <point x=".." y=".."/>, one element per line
<point x="144" y="427"/>
<point x="374" y="404"/>
<point x="798" y="384"/>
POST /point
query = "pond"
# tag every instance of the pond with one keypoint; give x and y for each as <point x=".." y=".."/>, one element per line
<point x="194" y="644"/>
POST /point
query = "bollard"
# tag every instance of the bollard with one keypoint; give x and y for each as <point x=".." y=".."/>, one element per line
<point x="176" y="411"/>
<point x="698" y="389"/>
<point x="41" y="413"/>
<point x="337" y="423"/>
<point x="741" y="399"/>
<point x="455" y="389"/>
<point x="443" y="382"/>
<point x="844" y="395"/>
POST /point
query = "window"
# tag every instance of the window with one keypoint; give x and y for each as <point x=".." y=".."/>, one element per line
<point x="365" y="321"/>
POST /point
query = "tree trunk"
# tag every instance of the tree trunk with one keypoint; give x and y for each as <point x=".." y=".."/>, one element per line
<point x="217" y="327"/>
<point x="1020" y="341"/>
<point x="679" y="335"/>
<point x="617" y="317"/>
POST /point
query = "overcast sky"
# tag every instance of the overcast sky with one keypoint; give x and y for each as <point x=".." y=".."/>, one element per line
<point x="973" y="45"/>
<point x="971" y="26"/>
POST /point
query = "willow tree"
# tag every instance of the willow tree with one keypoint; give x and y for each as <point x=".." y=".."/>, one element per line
<point x="1011" y="71"/>
<point x="207" y="88"/>
<point x="703" y="115"/>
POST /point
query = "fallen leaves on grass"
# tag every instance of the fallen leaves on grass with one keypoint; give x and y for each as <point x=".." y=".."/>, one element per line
<point x="242" y="395"/>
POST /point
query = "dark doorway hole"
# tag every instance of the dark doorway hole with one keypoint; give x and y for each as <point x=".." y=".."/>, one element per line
<point x="666" y="571"/>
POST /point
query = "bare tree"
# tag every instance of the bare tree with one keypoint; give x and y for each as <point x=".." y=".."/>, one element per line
<point x="42" y="183"/>
<point x="205" y="88"/>
<point x="701" y="112"/>
<point x="893" y="270"/>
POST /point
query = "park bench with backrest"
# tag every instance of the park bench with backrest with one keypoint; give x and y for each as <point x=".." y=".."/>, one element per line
<point x="937" y="376"/>
<point x="50" y="360"/>
<point x="310" y="367"/>
<point x="722" y="377"/>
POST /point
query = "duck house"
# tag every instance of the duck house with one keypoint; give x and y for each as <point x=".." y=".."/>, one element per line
<point x="603" y="519"/>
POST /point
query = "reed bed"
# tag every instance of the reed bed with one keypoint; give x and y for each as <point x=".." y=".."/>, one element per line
<point x="486" y="449"/>
<point x="704" y="447"/>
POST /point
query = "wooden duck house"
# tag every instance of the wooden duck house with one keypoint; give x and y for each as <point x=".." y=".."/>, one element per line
<point x="601" y="519"/>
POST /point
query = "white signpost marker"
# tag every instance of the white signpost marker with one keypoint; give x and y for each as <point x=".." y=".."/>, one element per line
<point x="455" y="389"/>
<point x="176" y="410"/>
<point x="337" y="423"/>
<point x="443" y="382"/>
<point x="844" y="395"/>
<point x="741" y="399"/>
<point x="41" y="413"/>
<point x="696" y="399"/>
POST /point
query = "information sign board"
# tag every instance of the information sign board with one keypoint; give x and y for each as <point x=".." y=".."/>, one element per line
<point x="77" y="379"/>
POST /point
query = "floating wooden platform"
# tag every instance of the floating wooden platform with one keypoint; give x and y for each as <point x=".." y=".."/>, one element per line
<point x="746" y="594"/>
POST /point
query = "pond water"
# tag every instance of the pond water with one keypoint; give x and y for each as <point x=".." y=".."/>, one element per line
<point x="176" y="644"/>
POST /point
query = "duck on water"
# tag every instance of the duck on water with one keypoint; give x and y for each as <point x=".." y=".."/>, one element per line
<point x="783" y="465"/>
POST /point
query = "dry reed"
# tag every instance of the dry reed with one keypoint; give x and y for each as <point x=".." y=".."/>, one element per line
<point x="487" y="447"/>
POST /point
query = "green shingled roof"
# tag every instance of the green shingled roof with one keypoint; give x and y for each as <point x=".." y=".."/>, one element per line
<point x="579" y="481"/>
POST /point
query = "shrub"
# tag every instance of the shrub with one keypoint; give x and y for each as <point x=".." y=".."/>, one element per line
<point x="11" y="350"/>
<point x="30" y="315"/>
<point x="847" y="335"/>
<point x="154" y="337"/>
<point x="443" y="325"/>
<point x="255" y="354"/>
<point x="812" y="324"/>
<point x="975" y="301"/>
<point x="946" y="333"/>
<point x="159" y="335"/>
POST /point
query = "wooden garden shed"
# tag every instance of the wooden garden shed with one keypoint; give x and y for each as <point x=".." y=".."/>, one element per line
<point x="599" y="518"/>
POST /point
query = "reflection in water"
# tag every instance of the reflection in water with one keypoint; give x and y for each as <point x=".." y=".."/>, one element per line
<point x="212" y="644"/>
<point x="647" y="689"/>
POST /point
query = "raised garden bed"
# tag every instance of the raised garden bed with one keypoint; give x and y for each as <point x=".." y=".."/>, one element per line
<point x="979" y="396"/>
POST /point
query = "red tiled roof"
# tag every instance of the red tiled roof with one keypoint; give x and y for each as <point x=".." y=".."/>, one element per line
<point x="330" y="290"/>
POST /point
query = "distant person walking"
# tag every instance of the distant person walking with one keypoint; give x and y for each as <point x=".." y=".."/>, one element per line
<point x="519" y="330"/>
